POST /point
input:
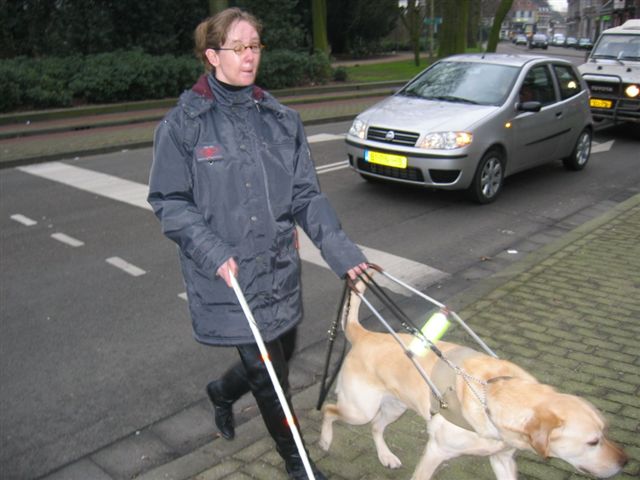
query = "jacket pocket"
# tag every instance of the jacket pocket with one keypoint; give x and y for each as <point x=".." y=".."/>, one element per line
<point x="286" y="266"/>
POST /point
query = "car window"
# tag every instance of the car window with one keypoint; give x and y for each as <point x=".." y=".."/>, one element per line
<point x="538" y="86"/>
<point x="466" y="82"/>
<point x="618" y="46"/>
<point x="568" y="81"/>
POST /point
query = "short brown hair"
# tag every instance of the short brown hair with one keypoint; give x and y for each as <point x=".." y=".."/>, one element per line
<point x="212" y="31"/>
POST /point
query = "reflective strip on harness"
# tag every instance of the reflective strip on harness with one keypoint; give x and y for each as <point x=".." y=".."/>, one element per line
<point x="444" y="378"/>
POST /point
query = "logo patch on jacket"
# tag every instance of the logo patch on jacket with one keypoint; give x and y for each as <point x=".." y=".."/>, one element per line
<point x="208" y="153"/>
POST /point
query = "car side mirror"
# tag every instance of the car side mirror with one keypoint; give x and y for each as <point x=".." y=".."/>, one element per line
<point x="529" y="106"/>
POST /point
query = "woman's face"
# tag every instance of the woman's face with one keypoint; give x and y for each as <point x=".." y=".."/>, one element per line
<point x="239" y="70"/>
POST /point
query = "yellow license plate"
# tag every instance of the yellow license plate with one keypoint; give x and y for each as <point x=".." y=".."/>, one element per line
<point x="598" y="103"/>
<point x="386" y="159"/>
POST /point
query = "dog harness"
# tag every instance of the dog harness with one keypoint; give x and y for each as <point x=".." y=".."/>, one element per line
<point x="444" y="378"/>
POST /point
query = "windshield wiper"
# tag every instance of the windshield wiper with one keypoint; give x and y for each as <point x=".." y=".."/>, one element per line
<point x="409" y="93"/>
<point x="452" y="98"/>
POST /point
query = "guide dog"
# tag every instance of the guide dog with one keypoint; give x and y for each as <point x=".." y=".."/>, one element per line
<point x="377" y="383"/>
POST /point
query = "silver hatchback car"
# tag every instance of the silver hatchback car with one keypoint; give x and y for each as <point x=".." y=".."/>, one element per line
<point x="468" y="121"/>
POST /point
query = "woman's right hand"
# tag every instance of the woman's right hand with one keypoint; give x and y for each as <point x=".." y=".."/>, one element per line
<point x="228" y="268"/>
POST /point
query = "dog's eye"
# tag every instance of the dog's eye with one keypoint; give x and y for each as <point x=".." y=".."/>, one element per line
<point x="593" y="443"/>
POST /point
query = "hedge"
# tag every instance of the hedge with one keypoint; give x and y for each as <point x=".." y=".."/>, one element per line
<point x="53" y="82"/>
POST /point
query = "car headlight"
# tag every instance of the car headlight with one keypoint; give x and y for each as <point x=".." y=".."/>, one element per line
<point x="358" y="129"/>
<point x="632" y="91"/>
<point x="446" y="140"/>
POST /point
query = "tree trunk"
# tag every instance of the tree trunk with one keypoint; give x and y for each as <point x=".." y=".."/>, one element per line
<point x="453" y="34"/>
<point x="413" y="19"/>
<point x="319" y="15"/>
<point x="501" y="13"/>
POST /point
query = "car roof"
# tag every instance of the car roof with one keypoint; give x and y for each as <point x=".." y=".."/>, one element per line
<point x="517" y="60"/>
<point x="630" y="26"/>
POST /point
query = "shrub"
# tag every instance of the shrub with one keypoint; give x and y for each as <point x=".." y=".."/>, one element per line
<point x="284" y="68"/>
<point x="340" y="74"/>
<point x="121" y="76"/>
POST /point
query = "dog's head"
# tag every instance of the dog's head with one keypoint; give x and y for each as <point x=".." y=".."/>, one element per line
<point x="573" y="430"/>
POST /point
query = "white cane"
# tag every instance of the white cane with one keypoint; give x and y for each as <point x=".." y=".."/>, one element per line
<point x="272" y="374"/>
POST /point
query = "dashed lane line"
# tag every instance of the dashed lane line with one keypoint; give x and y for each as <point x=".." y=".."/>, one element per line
<point x="125" y="266"/>
<point x="18" y="217"/>
<point x="66" y="239"/>
<point x="417" y="274"/>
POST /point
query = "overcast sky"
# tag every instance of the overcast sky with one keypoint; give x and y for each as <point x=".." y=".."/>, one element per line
<point x="559" y="5"/>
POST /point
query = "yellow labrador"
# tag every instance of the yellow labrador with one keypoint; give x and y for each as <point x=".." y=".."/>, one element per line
<point x="377" y="383"/>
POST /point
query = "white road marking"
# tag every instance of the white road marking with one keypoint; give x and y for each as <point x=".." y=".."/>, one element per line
<point x="601" y="147"/>
<point x="325" y="137"/>
<point x="23" y="220"/>
<point x="61" y="237"/>
<point x="91" y="181"/>
<point x="417" y="274"/>
<point x="125" y="266"/>
<point x="183" y="296"/>
<point x="331" y="167"/>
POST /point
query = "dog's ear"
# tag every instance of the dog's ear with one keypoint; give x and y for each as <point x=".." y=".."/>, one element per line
<point x="539" y="428"/>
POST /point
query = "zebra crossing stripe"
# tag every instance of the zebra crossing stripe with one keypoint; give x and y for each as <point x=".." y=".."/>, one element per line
<point x="133" y="193"/>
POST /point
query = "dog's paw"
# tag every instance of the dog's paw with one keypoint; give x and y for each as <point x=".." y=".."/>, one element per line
<point x="389" y="460"/>
<point x="325" y="440"/>
<point x="324" y="445"/>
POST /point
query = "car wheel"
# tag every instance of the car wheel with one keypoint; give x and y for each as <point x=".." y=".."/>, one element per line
<point x="488" y="179"/>
<point x="581" y="152"/>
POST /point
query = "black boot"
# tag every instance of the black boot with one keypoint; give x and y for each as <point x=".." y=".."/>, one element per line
<point x="223" y="393"/>
<point x="295" y="469"/>
<point x="272" y="412"/>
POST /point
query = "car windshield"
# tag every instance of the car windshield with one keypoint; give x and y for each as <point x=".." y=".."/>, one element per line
<point x="466" y="82"/>
<point x="622" y="47"/>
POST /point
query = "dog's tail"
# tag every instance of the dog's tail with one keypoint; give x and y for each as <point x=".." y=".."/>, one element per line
<point x="350" y="322"/>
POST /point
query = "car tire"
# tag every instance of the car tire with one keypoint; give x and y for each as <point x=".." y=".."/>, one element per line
<point x="581" y="152"/>
<point x="488" y="179"/>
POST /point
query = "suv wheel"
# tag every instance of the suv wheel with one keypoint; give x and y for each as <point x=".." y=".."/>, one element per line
<point x="487" y="182"/>
<point x="580" y="155"/>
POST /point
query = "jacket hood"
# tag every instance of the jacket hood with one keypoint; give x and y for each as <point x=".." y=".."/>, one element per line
<point x="201" y="97"/>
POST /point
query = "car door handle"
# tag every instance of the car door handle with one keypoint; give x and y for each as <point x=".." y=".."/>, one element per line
<point x="559" y="114"/>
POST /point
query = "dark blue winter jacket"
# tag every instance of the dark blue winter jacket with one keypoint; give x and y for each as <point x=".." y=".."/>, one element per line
<point x="232" y="175"/>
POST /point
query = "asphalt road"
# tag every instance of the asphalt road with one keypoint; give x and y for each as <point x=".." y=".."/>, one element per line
<point x="91" y="353"/>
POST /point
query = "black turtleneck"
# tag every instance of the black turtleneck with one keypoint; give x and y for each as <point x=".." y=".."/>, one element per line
<point x="226" y="86"/>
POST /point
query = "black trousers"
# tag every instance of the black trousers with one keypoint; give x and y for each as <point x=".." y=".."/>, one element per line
<point x="250" y="374"/>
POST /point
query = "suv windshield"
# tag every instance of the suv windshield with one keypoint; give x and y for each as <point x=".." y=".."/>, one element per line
<point x="468" y="82"/>
<point x="621" y="47"/>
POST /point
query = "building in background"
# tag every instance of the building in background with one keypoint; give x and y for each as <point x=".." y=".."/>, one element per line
<point x="587" y="18"/>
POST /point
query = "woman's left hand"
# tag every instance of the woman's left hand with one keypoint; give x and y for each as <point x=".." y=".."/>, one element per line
<point x="354" y="272"/>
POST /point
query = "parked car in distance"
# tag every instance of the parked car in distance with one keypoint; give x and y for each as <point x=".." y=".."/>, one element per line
<point x="558" y="40"/>
<point x="585" y="44"/>
<point x="571" y="42"/>
<point x="521" y="40"/>
<point x="468" y="121"/>
<point x="539" y="40"/>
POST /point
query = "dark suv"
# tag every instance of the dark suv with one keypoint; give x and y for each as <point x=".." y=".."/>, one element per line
<point x="539" y="40"/>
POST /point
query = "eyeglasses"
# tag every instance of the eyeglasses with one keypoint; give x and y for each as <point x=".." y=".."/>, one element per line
<point x="239" y="48"/>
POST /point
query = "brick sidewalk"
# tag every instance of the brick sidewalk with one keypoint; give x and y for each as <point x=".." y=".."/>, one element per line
<point x="569" y="313"/>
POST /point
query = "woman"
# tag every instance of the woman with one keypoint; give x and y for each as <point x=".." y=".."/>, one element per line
<point x="232" y="175"/>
